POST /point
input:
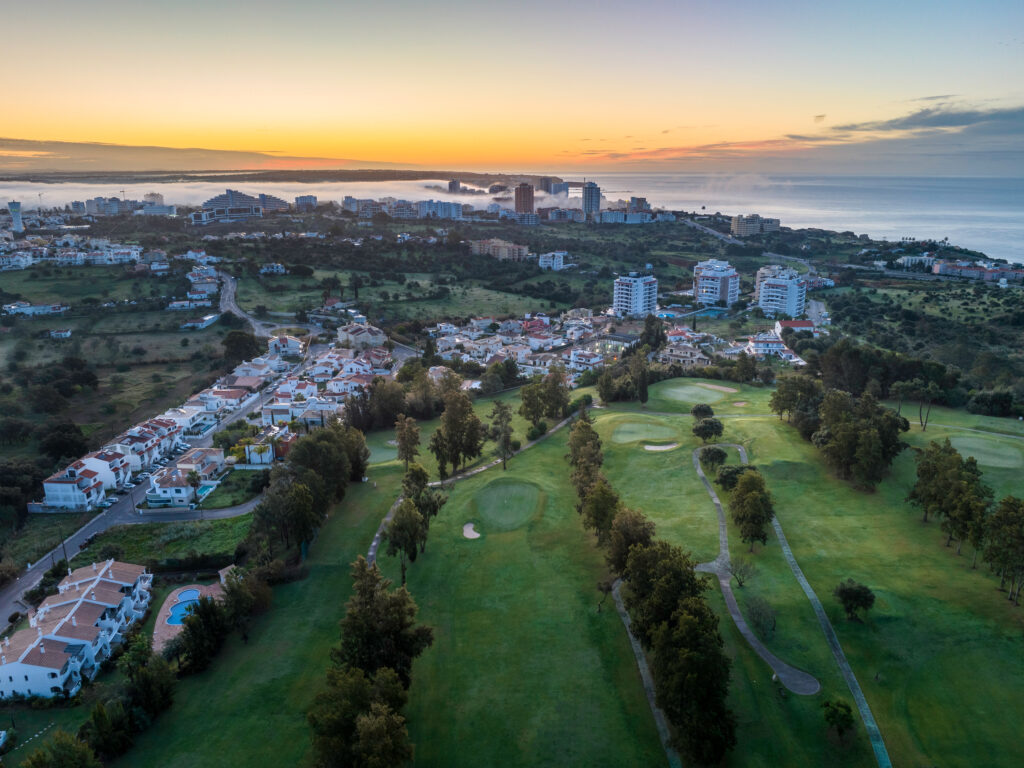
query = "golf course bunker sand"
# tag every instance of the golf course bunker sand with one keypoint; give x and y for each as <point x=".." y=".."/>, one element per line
<point x="989" y="452"/>
<point x="740" y="403"/>
<point x="469" y="531"/>
<point x="718" y="388"/>
<point x="692" y="393"/>
<point x="507" y="504"/>
<point x="634" y="431"/>
<point x="668" y="447"/>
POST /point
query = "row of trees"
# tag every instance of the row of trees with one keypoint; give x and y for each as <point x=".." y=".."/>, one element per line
<point x="357" y="721"/>
<point x="857" y="436"/>
<point x="406" y="534"/>
<point x="665" y="599"/>
<point x="320" y="465"/>
<point x="950" y="488"/>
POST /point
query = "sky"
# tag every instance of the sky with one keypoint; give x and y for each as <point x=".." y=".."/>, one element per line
<point x="931" y="87"/>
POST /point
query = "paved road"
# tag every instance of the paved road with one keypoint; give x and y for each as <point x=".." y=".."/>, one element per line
<point x="260" y="328"/>
<point x="729" y="239"/>
<point x="794" y="679"/>
<point x="124" y="512"/>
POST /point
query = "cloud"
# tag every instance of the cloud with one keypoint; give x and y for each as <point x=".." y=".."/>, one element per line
<point x="940" y="97"/>
<point x="941" y="118"/>
<point x="42" y="156"/>
<point x="819" y="118"/>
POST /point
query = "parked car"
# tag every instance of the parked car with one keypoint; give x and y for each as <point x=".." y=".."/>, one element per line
<point x="105" y="504"/>
<point x="129" y="485"/>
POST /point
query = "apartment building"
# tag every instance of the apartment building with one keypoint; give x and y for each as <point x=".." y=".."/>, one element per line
<point x="635" y="295"/>
<point x="742" y="226"/>
<point x="780" y="290"/>
<point x="716" y="281"/>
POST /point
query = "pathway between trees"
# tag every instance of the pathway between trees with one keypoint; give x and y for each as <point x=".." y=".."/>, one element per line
<point x="794" y="679"/>
<point x="716" y="567"/>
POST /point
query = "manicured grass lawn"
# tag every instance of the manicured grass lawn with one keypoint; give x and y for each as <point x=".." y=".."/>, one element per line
<point x="249" y="708"/>
<point x="940" y="641"/>
<point x="40" y="534"/>
<point x="233" y="489"/>
<point x="524" y="669"/>
<point x="143" y="542"/>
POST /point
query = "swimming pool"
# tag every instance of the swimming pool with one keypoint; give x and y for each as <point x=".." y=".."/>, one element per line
<point x="204" y="490"/>
<point x="186" y="599"/>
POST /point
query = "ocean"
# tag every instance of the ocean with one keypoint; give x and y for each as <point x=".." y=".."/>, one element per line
<point x="984" y="214"/>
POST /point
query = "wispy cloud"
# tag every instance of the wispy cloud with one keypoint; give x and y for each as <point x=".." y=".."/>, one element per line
<point x="940" y="117"/>
<point x="819" y="118"/>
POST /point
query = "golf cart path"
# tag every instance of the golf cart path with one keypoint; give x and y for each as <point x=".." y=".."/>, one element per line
<point x="719" y="566"/>
<point x="794" y="679"/>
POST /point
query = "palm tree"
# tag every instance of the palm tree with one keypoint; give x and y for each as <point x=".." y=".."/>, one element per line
<point x="193" y="478"/>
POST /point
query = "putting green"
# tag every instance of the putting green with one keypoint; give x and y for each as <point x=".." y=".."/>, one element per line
<point x="989" y="452"/>
<point x="505" y="505"/>
<point x="691" y="393"/>
<point x="632" y="431"/>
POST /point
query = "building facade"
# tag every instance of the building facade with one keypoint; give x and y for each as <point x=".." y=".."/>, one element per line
<point x="753" y="224"/>
<point x="716" y="281"/>
<point x="591" y="200"/>
<point x="781" y="290"/>
<point x="635" y="295"/>
<point x="524" y="198"/>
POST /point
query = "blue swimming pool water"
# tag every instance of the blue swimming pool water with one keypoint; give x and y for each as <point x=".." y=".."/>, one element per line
<point x="180" y="610"/>
<point x="188" y="594"/>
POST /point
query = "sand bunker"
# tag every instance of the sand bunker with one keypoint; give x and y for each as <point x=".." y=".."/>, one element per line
<point x="717" y="387"/>
<point x="469" y="531"/>
<point x="740" y="403"/>
<point x="668" y="447"/>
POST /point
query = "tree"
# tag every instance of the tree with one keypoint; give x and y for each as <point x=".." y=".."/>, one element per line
<point x="205" y="628"/>
<point x="585" y="455"/>
<point x="239" y="346"/>
<point x="335" y="713"/>
<point x="691" y="681"/>
<point x="659" y="576"/>
<point x="707" y="429"/>
<point x="728" y="476"/>
<point x="751" y="508"/>
<point x="838" y="715"/>
<point x="63" y="751"/>
<point x="555" y="393"/>
<point x="640" y="371"/>
<point x="762" y="616"/>
<point x="531" y="398"/>
<point x="1004" y="543"/>
<point x="500" y="431"/>
<point x="702" y="411"/>
<point x="742" y="570"/>
<point x="194" y="479"/>
<point x="379" y="628"/>
<point x="630" y="528"/>
<point x="405" y="533"/>
<point x="407" y="436"/>
<point x="746" y="368"/>
<point x="600" y="506"/>
<point x="462" y="433"/>
<point x="653" y="335"/>
<point x="854" y="597"/>
<point x="713" y="456"/>
<point x="108" y="731"/>
<point x="382" y="740"/>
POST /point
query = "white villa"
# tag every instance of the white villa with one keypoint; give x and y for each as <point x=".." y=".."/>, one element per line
<point x="74" y="631"/>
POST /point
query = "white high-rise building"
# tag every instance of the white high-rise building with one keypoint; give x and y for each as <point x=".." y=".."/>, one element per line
<point x="716" y="281"/>
<point x="781" y="290"/>
<point x="635" y="295"/>
<point x="14" y="208"/>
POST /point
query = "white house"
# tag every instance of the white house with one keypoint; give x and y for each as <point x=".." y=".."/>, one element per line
<point x="285" y="345"/>
<point x="273" y="269"/>
<point x="764" y="345"/>
<point x="74" y="631"/>
<point x="359" y="335"/>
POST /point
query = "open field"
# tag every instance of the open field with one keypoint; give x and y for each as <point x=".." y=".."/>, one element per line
<point x="140" y="543"/>
<point x="39" y="535"/>
<point x="233" y="489"/>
